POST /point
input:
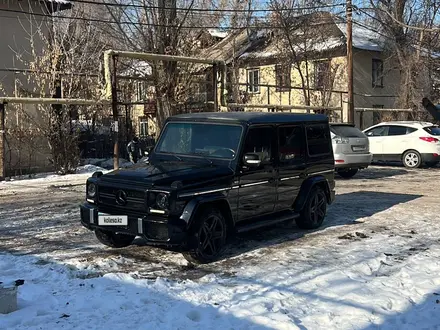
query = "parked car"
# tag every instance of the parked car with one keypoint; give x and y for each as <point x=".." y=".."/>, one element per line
<point x="351" y="149"/>
<point x="213" y="174"/>
<point x="412" y="142"/>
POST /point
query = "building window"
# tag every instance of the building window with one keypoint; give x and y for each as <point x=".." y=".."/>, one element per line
<point x="254" y="80"/>
<point x="322" y="74"/>
<point x="282" y="77"/>
<point x="143" y="127"/>
<point x="140" y="91"/>
<point x="377" y="73"/>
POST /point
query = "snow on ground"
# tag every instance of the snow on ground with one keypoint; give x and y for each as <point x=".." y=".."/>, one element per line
<point x="375" y="263"/>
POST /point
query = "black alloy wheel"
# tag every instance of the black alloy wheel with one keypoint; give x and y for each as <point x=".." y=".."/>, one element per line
<point x="211" y="234"/>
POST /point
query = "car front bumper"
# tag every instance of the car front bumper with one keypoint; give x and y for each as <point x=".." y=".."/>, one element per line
<point x="156" y="230"/>
<point x="353" y="160"/>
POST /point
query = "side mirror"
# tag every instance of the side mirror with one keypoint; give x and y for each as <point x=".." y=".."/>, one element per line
<point x="148" y="150"/>
<point x="252" y="160"/>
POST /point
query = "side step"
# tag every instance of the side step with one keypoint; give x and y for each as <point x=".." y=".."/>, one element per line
<point x="266" y="223"/>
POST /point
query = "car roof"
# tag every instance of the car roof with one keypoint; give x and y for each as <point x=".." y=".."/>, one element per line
<point x="342" y="124"/>
<point x="416" y="124"/>
<point x="252" y="117"/>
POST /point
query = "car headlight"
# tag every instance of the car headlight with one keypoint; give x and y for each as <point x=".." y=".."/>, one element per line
<point x="91" y="190"/>
<point x="162" y="201"/>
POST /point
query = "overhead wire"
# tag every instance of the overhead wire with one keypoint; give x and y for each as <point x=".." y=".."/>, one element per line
<point x="219" y="10"/>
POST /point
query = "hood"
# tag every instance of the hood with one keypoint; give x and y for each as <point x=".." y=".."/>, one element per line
<point x="165" y="173"/>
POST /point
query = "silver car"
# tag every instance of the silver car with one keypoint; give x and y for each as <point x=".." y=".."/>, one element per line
<point x="351" y="149"/>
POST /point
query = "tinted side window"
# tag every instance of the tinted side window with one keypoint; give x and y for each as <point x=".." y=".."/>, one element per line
<point x="396" y="130"/>
<point x="259" y="141"/>
<point x="410" y="130"/>
<point x="291" y="146"/>
<point x="377" y="131"/>
<point x="318" y="140"/>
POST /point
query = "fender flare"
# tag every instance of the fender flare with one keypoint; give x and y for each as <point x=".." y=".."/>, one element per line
<point x="307" y="187"/>
<point x="193" y="206"/>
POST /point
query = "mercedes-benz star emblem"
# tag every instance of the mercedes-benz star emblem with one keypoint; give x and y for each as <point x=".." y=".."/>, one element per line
<point x="121" y="197"/>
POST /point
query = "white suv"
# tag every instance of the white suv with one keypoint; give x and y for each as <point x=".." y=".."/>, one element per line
<point x="410" y="142"/>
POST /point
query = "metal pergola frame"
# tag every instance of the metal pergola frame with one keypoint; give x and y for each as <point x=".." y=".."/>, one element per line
<point x="110" y="96"/>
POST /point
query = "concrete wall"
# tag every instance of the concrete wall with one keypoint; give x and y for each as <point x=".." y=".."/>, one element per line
<point x="374" y="97"/>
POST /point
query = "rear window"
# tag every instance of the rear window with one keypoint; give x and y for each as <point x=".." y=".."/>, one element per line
<point x="433" y="130"/>
<point x="347" y="131"/>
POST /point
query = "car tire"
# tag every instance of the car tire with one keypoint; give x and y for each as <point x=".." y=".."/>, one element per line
<point x="211" y="232"/>
<point x="347" y="174"/>
<point x="314" y="210"/>
<point x="431" y="164"/>
<point x="412" y="159"/>
<point x="112" y="239"/>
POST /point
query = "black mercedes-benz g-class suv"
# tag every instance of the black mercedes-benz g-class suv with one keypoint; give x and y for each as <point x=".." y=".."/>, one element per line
<point x="214" y="174"/>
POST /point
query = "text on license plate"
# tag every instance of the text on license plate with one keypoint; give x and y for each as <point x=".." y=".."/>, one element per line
<point x="113" y="220"/>
<point x="358" y="148"/>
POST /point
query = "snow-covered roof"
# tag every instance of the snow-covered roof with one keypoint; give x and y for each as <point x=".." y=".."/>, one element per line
<point x="57" y="5"/>
<point x="258" y="44"/>
<point x="139" y="68"/>
<point x="363" y="37"/>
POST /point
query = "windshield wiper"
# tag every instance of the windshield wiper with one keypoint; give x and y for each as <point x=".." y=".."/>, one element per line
<point x="204" y="157"/>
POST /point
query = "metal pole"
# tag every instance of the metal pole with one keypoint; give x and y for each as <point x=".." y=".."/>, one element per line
<point x="114" y="95"/>
<point x="214" y="86"/>
<point x="349" y="12"/>
<point x="2" y="142"/>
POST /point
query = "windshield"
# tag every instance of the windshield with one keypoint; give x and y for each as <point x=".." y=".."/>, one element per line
<point x="346" y="131"/>
<point x="204" y="139"/>
<point x="433" y="130"/>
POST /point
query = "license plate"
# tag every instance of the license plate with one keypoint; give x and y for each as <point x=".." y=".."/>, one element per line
<point x="358" y="148"/>
<point x="113" y="220"/>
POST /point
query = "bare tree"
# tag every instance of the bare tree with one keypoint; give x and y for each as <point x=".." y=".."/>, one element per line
<point x="63" y="61"/>
<point x="164" y="27"/>
<point x="301" y="37"/>
<point x="413" y="38"/>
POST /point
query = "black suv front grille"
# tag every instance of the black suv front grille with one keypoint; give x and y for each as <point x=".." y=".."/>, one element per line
<point x="122" y="199"/>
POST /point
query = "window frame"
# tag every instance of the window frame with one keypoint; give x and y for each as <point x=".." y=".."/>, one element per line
<point x="330" y="151"/>
<point x="161" y="137"/>
<point x="251" y="86"/>
<point x="143" y="121"/>
<point x="140" y="91"/>
<point x="386" y="127"/>
<point x="316" y="76"/>
<point x="273" y="144"/>
<point x="405" y="128"/>
<point x="303" y="146"/>
<point x="377" y="69"/>
<point x="283" y="77"/>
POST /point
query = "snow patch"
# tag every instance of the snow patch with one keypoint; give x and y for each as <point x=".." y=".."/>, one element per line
<point x="363" y="38"/>
<point x="218" y="33"/>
